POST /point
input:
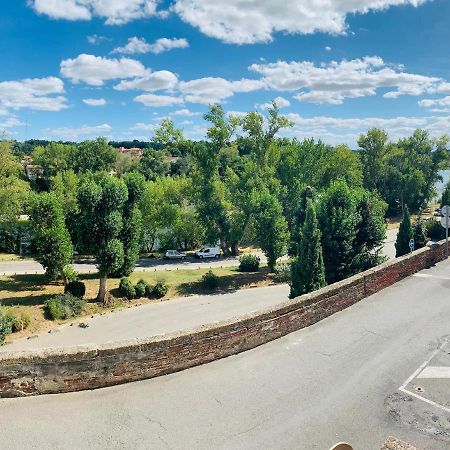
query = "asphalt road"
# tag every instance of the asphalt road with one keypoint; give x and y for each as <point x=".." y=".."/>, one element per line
<point x="88" y="266"/>
<point x="337" y="380"/>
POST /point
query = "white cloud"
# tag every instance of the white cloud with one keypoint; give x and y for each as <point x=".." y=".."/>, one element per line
<point x="152" y="81"/>
<point x="11" y="122"/>
<point x="95" y="70"/>
<point x="280" y="101"/>
<point x="74" y="133"/>
<point x="328" y="48"/>
<point x="333" y="82"/>
<point x="429" y="103"/>
<point x="95" y="39"/>
<point x="33" y="93"/>
<point x="144" y="126"/>
<point x="116" y="12"/>
<point x="247" y="22"/>
<point x="138" y="45"/>
<point x="158" y="100"/>
<point x="211" y="90"/>
<point x="94" y="101"/>
<point x="184" y="112"/>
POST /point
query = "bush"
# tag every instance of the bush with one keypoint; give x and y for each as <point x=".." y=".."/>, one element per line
<point x="160" y="289"/>
<point x="19" y="323"/>
<point x="5" y="326"/>
<point x="249" y="263"/>
<point x="70" y="274"/>
<point x="75" y="288"/>
<point x="210" y="280"/>
<point x="64" y="306"/>
<point x="435" y="231"/>
<point x="282" y="273"/>
<point x="141" y="288"/>
<point x="126" y="288"/>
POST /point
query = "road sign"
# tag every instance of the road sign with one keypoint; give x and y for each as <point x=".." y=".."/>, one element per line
<point x="411" y="244"/>
<point x="445" y="222"/>
<point x="445" y="210"/>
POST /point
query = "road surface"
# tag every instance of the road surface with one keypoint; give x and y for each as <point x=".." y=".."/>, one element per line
<point x="338" y="380"/>
<point x="31" y="267"/>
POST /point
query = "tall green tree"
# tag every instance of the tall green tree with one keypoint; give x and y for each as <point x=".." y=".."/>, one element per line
<point x="101" y="223"/>
<point x="50" y="235"/>
<point x="405" y="234"/>
<point x="420" y="234"/>
<point x="307" y="269"/>
<point x="94" y="156"/>
<point x="54" y="158"/>
<point x="154" y="164"/>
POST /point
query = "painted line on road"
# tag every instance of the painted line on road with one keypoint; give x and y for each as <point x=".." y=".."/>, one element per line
<point x="435" y="372"/>
<point x="403" y="389"/>
<point x="428" y="275"/>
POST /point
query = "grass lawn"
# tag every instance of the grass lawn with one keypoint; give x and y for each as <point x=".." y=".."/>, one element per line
<point x="10" y="257"/>
<point x="27" y="293"/>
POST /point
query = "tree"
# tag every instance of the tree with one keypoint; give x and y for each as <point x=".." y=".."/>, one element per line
<point x="298" y="219"/>
<point x="445" y="199"/>
<point x="94" y="156"/>
<point x="338" y="221"/>
<point x="169" y="137"/>
<point x="307" y="269"/>
<point x="420" y="234"/>
<point x="65" y="186"/>
<point x="101" y="222"/>
<point x="405" y="234"/>
<point x="270" y="226"/>
<point x="50" y="235"/>
<point x="54" y="158"/>
<point x="13" y="191"/>
<point x="154" y="164"/>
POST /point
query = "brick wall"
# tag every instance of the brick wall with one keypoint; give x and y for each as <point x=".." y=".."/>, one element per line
<point x="90" y="367"/>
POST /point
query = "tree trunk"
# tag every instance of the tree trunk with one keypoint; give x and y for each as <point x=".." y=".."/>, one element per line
<point x="235" y="248"/>
<point x="103" y="294"/>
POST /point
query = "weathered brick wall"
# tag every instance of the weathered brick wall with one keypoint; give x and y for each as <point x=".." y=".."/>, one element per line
<point x="90" y="367"/>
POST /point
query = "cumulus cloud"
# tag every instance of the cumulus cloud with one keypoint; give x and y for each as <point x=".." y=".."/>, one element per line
<point x="211" y="89"/>
<point x="248" y="22"/>
<point x="95" y="70"/>
<point x="94" y="101"/>
<point x="74" y="133"/>
<point x="96" y="39"/>
<point x="115" y="12"/>
<point x="280" y="101"/>
<point x="184" y="112"/>
<point x="335" y="81"/>
<point x="158" y="100"/>
<point x="33" y="93"/>
<point x="11" y="122"/>
<point x="152" y="81"/>
<point x="140" y="45"/>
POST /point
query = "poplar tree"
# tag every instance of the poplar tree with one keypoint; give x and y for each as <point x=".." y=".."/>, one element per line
<point x="405" y="233"/>
<point x="307" y="269"/>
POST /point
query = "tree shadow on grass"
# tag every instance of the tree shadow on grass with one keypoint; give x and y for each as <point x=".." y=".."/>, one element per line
<point x="227" y="283"/>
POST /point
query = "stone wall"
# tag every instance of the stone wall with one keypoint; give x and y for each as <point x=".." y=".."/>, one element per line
<point x="90" y="367"/>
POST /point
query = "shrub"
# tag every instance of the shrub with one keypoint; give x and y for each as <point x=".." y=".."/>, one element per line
<point x="282" y="273"/>
<point x="5" y="326"/>
<point x="160" y="289"/>
<point x="64" y="306"/>
<point x="126" y="288"/>
<point x="75" y="288"/>
<point x="249" y="263"/>
<point x="210" y="280"/>
<point x="70" y="274"/>
<point x="435" y="231"/>
<point x="19" y="323"/>
<point x="141" y="288"/>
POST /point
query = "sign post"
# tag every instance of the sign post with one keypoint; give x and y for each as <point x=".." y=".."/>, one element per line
<point x="445" y="211"/>
<point x="411" y="245"/>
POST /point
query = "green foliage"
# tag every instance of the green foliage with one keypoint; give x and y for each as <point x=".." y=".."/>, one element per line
<point x="50" y="235"/>
<point x="405" y="234"/>
<point x="69" y="274"/>
<point x="420" y="234"/>
<point x="154" y="164"/>
<point x="94" y="156"/>
<point x="126" y="288"/>
<point x="141" y="288"/>
<point x="282" y="273"/>
<point x="19" y="322"/>
<point x="307" y="269"/>
<point x="210" y="281"/>
<point x="6" y="325"/>
<point x="11" y="234"/>
<point x="445" y="199"/>
<point x="75" y="288"/>
<point x="54" y="158"/>
<point x="160" y="289"/>
<point x="435" y="231"/>
<point x="64" y="307"/>
<point x="249" y="263"/>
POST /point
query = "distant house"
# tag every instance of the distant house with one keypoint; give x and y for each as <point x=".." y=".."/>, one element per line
<point x="134" y="153"/>
<point x="33" y="171"/>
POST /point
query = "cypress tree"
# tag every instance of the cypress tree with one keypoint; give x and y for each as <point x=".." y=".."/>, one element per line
<point x="308" y="271"/>
<point x="419" y="234"/>
<point x="405" y="233"/>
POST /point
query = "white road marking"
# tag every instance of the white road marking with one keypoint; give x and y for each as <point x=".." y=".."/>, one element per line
<point x="402" y="388"/>
<point x="435" y="372"/>
<point x="428" y="275"/>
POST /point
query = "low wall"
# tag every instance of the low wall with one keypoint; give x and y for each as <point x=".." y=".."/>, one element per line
<point x="95" y="366"/>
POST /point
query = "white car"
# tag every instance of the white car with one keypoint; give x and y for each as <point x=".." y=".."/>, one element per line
<point x="174" y="254"/>
<point x="208" y="252"/>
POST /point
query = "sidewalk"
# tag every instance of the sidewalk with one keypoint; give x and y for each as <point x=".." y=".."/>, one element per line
<point x="157" y="318"/>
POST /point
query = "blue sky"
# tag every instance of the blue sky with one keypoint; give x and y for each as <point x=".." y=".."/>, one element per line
<point x="76" y="69"/>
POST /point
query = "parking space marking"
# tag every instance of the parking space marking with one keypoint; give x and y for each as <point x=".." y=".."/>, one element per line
<point x="435" y="372"/>
<point x="403" y="389"/>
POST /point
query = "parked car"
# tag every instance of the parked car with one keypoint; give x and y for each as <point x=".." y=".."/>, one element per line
<point x="208" y="252"/>
<point x="174" y="254"/>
